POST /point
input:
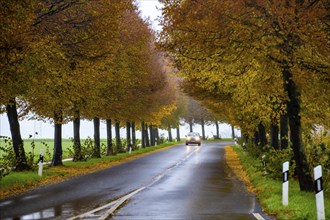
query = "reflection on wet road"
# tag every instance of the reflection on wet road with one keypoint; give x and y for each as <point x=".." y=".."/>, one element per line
<point x="182" y="182"/>
<point x="201" y="188"/>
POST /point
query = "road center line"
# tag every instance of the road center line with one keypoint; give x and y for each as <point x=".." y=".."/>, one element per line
<point x="160" y="176"/>
<point x="114" y="205"/>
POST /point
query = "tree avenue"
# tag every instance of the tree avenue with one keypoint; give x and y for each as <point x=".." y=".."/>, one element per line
<point x="19" y="52"/>
<point x="261" y="66"/>
<point x="66" y="60"/>
<point x="256" y="63"/>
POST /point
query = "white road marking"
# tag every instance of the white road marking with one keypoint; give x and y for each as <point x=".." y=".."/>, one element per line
<point x="90" y="213"/>
<point x="258" y="216"/>
<point x="119" y="203"/>
<point x="108" y="209"/>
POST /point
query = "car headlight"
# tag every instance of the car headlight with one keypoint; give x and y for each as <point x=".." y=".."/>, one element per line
<point x="197" y="138"/>
<point x="188" y="138"/>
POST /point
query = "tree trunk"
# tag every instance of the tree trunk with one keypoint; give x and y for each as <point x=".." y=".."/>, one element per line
<point x="128" y="135"/>
<point x="76" y="138"/>
<point x="117" y="132"/>
<point x="21" y="162"/>
<point x="133" y="134"/>
<point x="109" y="137"/>
<point x="178" y="133"/>
<point x="284" y="131"/>
<point x="203" y="129"/>
<point x="152" y="135"/>
<point x="146" y="135"/>
<point x="217" y="136"/>
<point x="256" y="139"/>
<point x="97" y="144"/>
<point x="170" y="139"/>
<point x="233" y="132"/>
<point x="156" y="132"/>
<point x="143" y="138"/>
<point x="190" y="125"/>
<point x="57" y="156"/>
<point x="293" y="109"/>
<point x="262" y="136"/>
<point x="274" y="136"/>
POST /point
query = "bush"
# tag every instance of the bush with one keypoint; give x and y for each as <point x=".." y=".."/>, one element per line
<point x="47" y="153"/>
<point x="270" y="161"/>
<point x="274" y="160"/>
<point x="318" y="153"/>
<point x="253" y="150"/>
<point x="7" y="156"/>
<point x="161" y="139"/>
<point x="87" y="149"/>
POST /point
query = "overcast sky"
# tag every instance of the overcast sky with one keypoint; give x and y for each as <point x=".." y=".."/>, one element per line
<point x="149" y="9"/>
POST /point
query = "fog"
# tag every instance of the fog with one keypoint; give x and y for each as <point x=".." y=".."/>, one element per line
<point x="46" y="129"/>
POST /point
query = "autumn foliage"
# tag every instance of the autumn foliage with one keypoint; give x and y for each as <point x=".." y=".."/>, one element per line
<point x="260" y="65"/>
<point x="66" y="60"/>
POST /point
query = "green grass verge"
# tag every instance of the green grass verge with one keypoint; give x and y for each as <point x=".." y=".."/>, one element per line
<point x="20" y="181"/>
<point x="302" y="205"/>
<point x="47" y="145"/>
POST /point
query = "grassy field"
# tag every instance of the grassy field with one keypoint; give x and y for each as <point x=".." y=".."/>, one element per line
<point x="47" y="145"/>
<point x="302" y="205"/>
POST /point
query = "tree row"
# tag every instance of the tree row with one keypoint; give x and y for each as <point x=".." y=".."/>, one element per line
<point x="72" y="59"/>
<point x="262" y="66"/>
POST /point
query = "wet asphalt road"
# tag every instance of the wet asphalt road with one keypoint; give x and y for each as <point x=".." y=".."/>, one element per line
<point x="202" y="187"/>
<point x="182" y="182"/>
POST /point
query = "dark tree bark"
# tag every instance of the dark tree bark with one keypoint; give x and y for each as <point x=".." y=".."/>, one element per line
<point x="152" y="135"/>
<point x="178" y="133"/>
<point x="190" y="125"/>
<point x="97" y="142"/>
<point x="274" y="136"/>
<point x="256" y="138"/>
<point x="146" y="135"/>
<point x="284" y="131"/>
<point x="128" y="134"/>
<point x="170" y="138"/>
<point x="143" y="135"/>
<point x="262" y="136"/>
<point x="76" y="138"/>
<point x="203" y="128"/>
<point x="133" y="134"/>
<point x="233" y="132"/>
<point x="58" y="152"/>
<point x="21" y="162"/>
<point x="293" y="109"/>
<point x="217" y="136"/>
<point x="109" y="137"/>
<point x="117" y="133"/>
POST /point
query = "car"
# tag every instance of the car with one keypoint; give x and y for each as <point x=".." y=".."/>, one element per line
<point x="193" y="138"/>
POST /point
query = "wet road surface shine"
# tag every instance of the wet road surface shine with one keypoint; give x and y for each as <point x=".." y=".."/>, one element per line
<point x="203" y="187"/>
<point x="84" y="193"/>
<point x="182" y="182"/>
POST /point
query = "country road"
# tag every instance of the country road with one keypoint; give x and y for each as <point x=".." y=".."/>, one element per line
<point x="182" y="182"/>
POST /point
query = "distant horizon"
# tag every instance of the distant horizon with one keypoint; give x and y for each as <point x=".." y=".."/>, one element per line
<point x="46" y="129"/>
